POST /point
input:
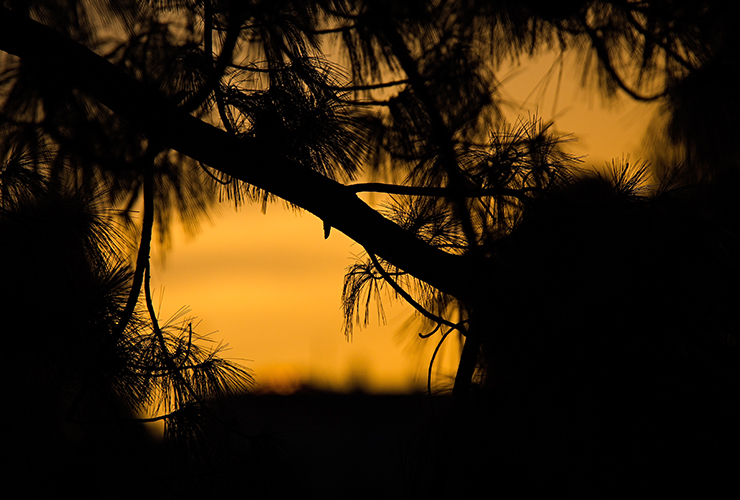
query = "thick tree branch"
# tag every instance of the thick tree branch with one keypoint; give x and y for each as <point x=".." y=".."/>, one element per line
<point x="243" y="158"/>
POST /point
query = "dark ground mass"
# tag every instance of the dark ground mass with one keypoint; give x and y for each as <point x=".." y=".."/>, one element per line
<point x="360" y="446"/>
<point x="325" y="445"/>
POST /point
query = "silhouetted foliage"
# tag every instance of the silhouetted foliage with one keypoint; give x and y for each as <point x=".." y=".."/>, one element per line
<point x="584" y="297"/>
<point x="82" y="379"/>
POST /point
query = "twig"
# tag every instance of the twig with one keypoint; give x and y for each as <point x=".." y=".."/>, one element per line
<point x="405" y="295"/>
<point x="436" y="191"/>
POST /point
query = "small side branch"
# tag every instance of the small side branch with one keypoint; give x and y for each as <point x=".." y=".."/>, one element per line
<point x="434" y="356"/>
<point x="406" y="296"/>
<point x="215" y="178"/>
<point x="598" y="43"/>
<point x="371" y="86"/>
<point x="218" y="67"/>
<point x="657" y="41"/>
<point x="432" y="191"/>
<point x="142" y="258"/>
<point x="437" y="319"/>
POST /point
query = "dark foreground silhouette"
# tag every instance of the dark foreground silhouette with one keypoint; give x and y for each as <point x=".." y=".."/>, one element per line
<point x="609" y="368"/>
<point x="362" y="446"/>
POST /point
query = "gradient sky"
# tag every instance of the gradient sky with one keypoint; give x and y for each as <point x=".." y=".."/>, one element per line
<point x="270" y="285"/>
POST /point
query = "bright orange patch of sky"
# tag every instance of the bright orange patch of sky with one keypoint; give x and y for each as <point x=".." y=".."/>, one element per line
<point x="270" y="285"/>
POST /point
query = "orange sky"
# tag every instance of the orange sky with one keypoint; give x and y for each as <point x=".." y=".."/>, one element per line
<point x="270" y="285"/>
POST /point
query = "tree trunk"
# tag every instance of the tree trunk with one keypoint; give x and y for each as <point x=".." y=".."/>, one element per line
<point x="468" y="363"/>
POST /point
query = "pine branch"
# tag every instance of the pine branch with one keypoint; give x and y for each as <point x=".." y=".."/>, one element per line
<point x="243" y="158"/>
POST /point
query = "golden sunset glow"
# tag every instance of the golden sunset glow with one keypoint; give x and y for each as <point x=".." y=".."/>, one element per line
<point x="270" y="285"/>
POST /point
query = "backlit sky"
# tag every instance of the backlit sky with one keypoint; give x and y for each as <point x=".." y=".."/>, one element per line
<point x="270" y="285"/>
